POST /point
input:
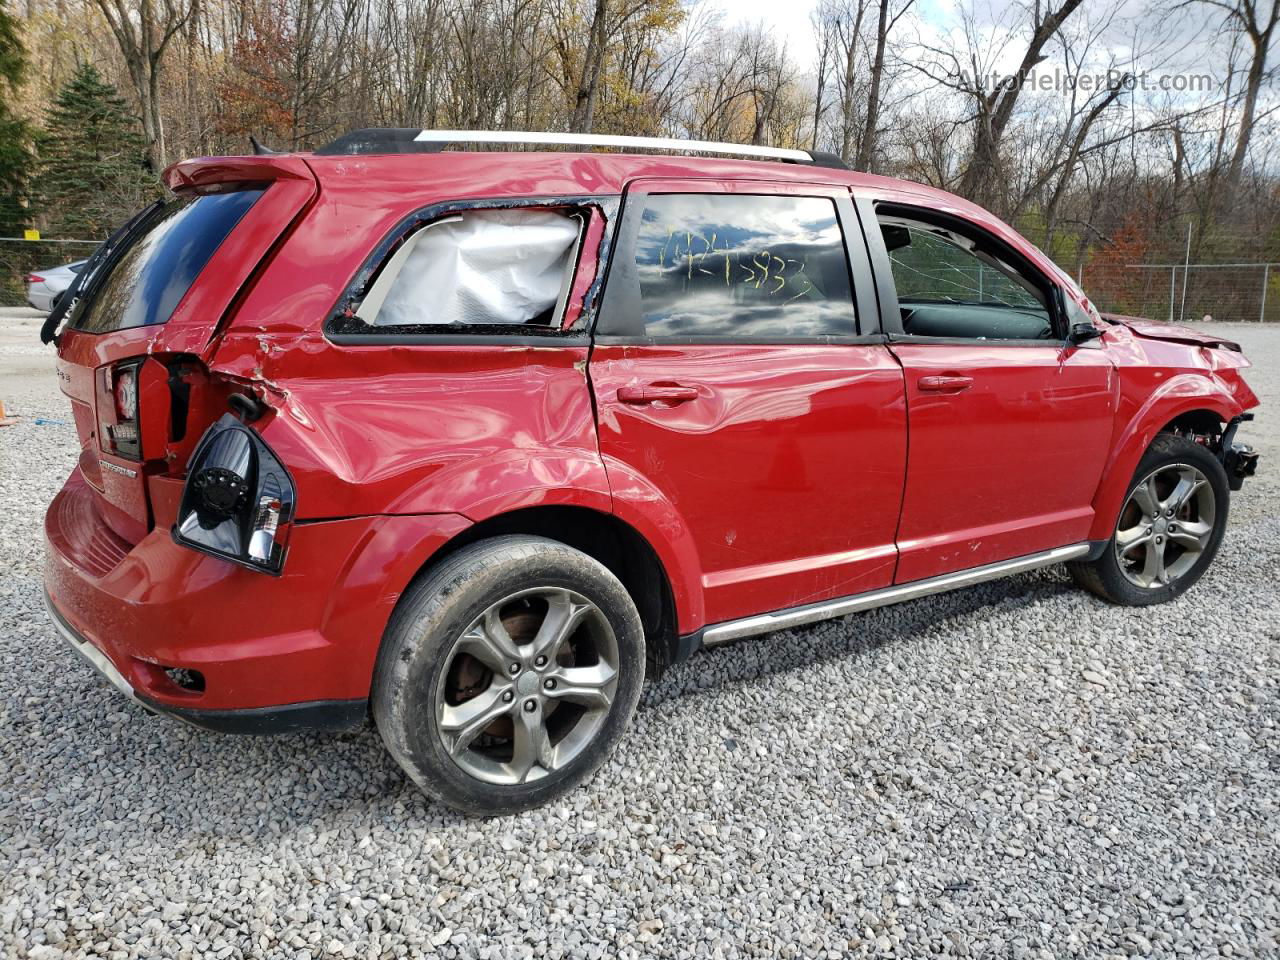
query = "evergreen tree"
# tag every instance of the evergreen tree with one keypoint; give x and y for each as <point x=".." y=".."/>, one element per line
<point x="15" y="133"/>
<point x="93" y="171"/>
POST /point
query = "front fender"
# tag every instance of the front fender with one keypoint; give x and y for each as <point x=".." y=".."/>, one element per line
<point x="1180" y="394"/>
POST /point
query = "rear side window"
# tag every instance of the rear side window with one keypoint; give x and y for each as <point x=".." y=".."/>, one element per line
<point x="148" y="280"/>
<point x="742" y="267"/>
<point x="502" y="267"/>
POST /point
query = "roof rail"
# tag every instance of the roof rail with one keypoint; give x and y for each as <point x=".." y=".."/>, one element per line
<point x="408" y="140"/>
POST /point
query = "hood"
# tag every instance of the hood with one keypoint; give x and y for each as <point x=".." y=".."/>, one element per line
<point x="1172" y="332"/>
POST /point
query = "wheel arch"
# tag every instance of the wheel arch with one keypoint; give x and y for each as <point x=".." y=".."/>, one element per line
<point x="1185" y="401"/>
<point x="1202" y="420"/>
<point x="605" y="537"/>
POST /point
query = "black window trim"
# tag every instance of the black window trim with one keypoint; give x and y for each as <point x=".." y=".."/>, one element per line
<point x="452" y="335"/>
<point x="886" y="291"/>
<point x="620" y="322"/>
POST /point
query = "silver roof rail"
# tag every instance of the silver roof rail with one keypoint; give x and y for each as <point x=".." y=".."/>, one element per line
<point x="401" y="140"/>
<point x="623" y="143"/>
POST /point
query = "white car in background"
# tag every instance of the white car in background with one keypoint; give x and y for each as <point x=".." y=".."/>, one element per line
<point x="45" y="286"/>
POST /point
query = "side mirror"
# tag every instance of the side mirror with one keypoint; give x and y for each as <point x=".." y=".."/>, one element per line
<point x="1083" y="332"/>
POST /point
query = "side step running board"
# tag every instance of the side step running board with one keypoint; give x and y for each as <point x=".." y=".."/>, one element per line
<point x="829" y="609"/>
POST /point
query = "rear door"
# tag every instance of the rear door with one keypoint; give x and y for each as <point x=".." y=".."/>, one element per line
<point x="738" y="372"/>
<point x="1010" y="422"/>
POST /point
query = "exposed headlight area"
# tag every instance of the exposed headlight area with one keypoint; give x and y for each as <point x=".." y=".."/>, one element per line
<point x="238" y="500"/>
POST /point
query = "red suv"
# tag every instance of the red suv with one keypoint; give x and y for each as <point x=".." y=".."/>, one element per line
<point x="473" y="442"/>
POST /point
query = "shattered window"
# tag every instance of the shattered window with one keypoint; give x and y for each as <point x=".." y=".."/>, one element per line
<point x="743" y="266"/>
<point x="950" y="286"/>
<point x="510" y="266"/>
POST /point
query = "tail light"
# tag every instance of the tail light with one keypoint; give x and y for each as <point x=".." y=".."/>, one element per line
<point x="34" y="278"/>
<point x="238" y="500"/>
<point x="123" y="386"/>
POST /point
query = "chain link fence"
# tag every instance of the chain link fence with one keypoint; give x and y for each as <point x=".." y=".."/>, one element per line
<point x="1178" y="292"/>
<point x="19" y="258"/>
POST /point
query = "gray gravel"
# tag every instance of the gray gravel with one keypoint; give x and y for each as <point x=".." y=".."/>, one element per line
<point x="1013" y="770"/>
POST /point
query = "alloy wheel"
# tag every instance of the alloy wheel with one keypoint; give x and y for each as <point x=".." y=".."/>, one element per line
<point x="527" y="686"/>
<point x="1165" y="526"/>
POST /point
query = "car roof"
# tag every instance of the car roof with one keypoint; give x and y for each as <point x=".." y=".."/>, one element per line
<point x="526" y="173"/>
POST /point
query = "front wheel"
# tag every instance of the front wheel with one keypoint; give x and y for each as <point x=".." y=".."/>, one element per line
<point x="1169" y="528"/>
<point x="508" y="673"/>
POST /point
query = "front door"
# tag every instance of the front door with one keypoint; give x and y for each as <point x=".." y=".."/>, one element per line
<point x="1010" y="423"/>
<point x="732" y="380"/>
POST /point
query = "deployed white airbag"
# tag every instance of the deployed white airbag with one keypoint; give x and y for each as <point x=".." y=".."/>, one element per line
<point x="482" y="266"/>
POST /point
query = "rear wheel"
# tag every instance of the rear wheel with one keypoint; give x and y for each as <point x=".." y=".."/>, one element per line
<point x="508" y="673"/>
<point x="1169" y="528"/>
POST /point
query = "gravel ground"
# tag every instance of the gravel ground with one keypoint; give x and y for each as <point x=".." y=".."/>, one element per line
<point x="1013" y="770"/>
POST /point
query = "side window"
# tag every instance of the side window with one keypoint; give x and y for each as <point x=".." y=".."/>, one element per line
<point x="948" y="285"/>
<point x="742" y="266"/>
<point x="508" y="267"/>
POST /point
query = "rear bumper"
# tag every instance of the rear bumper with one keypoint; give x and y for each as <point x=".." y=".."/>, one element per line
<point x="319" y="715"/>
<point x="273" y="653"/>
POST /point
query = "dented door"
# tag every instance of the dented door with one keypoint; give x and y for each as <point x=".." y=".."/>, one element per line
<point x="771" y="425"/>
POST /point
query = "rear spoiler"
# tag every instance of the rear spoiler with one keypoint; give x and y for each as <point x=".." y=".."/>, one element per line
<point x="206" y="174"/>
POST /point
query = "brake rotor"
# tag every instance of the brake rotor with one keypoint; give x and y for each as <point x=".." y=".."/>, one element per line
<point x="469" y="678"/>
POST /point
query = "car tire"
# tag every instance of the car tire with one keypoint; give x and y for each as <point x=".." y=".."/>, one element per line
<point x="1126" y="573"/>
<point x="438" y="675"/>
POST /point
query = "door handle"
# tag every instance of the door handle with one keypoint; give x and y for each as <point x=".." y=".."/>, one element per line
<point x="657" y="393"/>
<point x="946" y="384"/>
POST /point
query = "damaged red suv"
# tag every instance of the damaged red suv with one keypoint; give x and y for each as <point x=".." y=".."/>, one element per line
<point x="472" y="442"/>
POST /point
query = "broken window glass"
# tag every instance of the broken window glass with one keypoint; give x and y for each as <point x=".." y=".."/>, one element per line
<point x="511" y="266"/>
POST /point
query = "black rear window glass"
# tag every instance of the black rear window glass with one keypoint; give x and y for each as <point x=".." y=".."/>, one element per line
<point x="743" y="266"/>
<point x="162" y="260"/>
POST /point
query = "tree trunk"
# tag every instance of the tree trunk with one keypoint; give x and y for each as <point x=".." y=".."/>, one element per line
<point x="592" y="64"/>
<point x="846" y="99"/>
<point x="823" y="54"/>
<point x="867" y="148"/>
<point x="157" y="154"/>
<point x="1253" y="85"/>
<point x="996" y="109"/>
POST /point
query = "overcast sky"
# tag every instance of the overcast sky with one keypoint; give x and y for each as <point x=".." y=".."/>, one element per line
<point x="789" y="21"/>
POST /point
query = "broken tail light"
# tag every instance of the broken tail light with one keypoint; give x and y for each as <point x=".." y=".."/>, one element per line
<point x="238" y="499"/>
<point x="122" y="387"/>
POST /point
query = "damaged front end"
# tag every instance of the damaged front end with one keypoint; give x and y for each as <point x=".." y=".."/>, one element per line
<point x="1239" y="459"/>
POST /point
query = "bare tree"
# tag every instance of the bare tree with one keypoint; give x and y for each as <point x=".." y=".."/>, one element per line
<point x="992" y="103"/>
<point x="592" y="65"/>
<point x="823" y="30"/>
<point x="1258" y="23"/>
<point x="870" y="132"/>
<point x="143" y="30"/>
